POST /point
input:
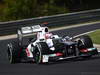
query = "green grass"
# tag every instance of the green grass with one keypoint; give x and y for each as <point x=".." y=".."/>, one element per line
<point x="95" y="36"/>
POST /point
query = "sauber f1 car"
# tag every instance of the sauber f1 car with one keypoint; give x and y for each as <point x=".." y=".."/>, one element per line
<point x="48" y="47"/>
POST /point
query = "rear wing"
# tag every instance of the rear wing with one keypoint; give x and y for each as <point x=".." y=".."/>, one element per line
<point x="31" y="29"/>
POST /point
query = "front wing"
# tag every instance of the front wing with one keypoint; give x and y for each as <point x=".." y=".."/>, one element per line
<point x="59" y="56"/>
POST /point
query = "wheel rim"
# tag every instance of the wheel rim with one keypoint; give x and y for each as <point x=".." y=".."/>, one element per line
<point x="81" y="44"/>
<point x="37" y="56"/>
<point x="9" y="54"/>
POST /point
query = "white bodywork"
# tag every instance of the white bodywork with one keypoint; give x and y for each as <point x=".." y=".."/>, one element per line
<point x="41" y="35"/>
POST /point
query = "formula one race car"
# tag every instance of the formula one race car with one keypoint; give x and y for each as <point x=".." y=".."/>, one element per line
<point x="48" y="47"/>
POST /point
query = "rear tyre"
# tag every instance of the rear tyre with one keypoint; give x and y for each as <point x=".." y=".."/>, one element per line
<point x="41" y="49"/>
<point x="13" y="53"/>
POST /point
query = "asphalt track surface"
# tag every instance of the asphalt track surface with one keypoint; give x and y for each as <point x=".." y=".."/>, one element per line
<point x="66" y="67"/>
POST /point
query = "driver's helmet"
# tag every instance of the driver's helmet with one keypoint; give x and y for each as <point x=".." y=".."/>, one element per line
<point x="48" y="35"/>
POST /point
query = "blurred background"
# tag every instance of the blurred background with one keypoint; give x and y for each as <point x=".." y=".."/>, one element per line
<point x="23" y="9"/>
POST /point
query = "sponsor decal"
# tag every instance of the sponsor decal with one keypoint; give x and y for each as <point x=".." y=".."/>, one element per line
<point x="56" y="54"/>
<point x="52" y="55"/>
<point x="45" y="58"/>
<point x="91" y="49"/>
<point x="27" y="51"/>
<point x="59" y="54"/>
<point x="84" y="50"/>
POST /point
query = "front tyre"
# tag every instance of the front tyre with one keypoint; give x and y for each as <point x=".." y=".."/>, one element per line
<point x="85" y="42"/>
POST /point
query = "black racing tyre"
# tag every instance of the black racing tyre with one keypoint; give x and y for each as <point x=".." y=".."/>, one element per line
<point x="13" y="52"/>
<point x="42" y="48"/>
<point x="85" y="42"/>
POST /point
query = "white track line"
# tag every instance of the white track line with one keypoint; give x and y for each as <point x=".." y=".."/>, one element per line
<point x="84" y="33"/>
